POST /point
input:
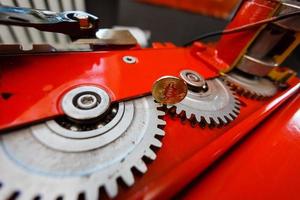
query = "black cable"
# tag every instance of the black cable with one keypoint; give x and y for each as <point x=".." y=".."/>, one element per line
<point x="243" y="28"/>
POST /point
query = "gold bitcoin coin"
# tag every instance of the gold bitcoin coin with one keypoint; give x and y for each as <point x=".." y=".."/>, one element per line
<point x="169" y="90"/>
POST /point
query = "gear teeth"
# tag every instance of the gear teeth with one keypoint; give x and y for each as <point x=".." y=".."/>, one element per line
<point x="178" y="112"/>
<point x="188" y="114"/>
<point x="228" y="119"/>
<point x="69" y="196"/>
<point x="160" y="132"/>
<point x="128" y="178"/>
<point x="198" y="118"/>
<point x="161" y="122"/>
<point x="255" y="89"/>
<point x="224" y="120"/>
<point x="91" y="193"/>
<point x="141" y="166"/>
<point x="111" y="188"/>
<point x="5" y="193"/>
<point x="155" y="142"/>
<point x="161" y="113"/>
<point x="231" y="117"/>
<point x="91" y="186"/>
<point x="217" y="121"/>
<point x="237" y="102"/>
<point x="169" y="106"/>
<point x="190" y="110"/>
<point x="49" y="197"/>
<point x="236" y="111"/>
<point x="150" y="154"/>
<point x="207" y="119"/>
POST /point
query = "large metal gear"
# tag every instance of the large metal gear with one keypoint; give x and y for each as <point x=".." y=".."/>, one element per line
<point x="250" y="86"/>
<point x="60" y="158"/>
<point x="214" y="104"/>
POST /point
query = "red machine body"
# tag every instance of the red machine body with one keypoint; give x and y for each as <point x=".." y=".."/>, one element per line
<point x="34" y="86"/>
<point x="263" y="166"/>
<point x="188" y="151"/>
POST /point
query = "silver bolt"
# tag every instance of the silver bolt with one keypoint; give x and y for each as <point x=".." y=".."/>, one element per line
<point x="194" y="80"/>
<point x="193" y="77"/>
<point x="87" y="101"/>
<point x="129" y="59"/>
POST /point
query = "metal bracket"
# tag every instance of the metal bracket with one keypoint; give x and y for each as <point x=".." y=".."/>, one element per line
<point x="76" y="24"/>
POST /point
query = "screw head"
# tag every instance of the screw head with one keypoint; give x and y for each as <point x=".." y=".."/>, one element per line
<point x="194" y="80"/>
<point x="129" y="59"/>
<point x="87" y="101"/>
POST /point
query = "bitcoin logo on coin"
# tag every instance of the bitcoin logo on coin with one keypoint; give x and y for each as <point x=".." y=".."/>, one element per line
<point x="169" y="90"/>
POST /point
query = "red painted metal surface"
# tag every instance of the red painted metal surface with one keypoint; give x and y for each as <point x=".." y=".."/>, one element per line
<point x="265" y="166"/>
<point x="231" y="46"/>
<point x="37" y="82"/>
<point x="188" y="151"/>
<point x="208" y="54"/>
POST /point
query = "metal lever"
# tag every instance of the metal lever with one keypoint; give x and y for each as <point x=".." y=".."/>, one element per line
<point x="76" y="24"/>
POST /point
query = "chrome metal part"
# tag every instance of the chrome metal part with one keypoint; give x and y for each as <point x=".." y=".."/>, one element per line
<point x="217" y="105"/>
<point x="115" y="36"/>
<point x="52" y="160"/>
<point x="194" y="80"/>
<point x="254" y="87"/>
<point x="109" y="37"/>
<point x="64" y="22"/>
<point x="289" y="6"/>
<point x="85" y="102"/>
<point x="254" y="66"/>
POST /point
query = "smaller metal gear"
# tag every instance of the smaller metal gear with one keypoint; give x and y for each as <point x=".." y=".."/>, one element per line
<point x="209" y="102"/>
<point x="250" y="86"/>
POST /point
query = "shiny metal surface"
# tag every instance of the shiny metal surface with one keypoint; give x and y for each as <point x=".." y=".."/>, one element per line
<point x="194" y="80"/>
<point x="254" y="66"/>
<point x="109" y="37"/>
<point x="293" y="23"/>
<point x="256" y="87"/>
<point x="44" y="20"/>
<point x="70" y="173"/>
<point x="218" y="105"/>
<point x="73" y="106"/>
